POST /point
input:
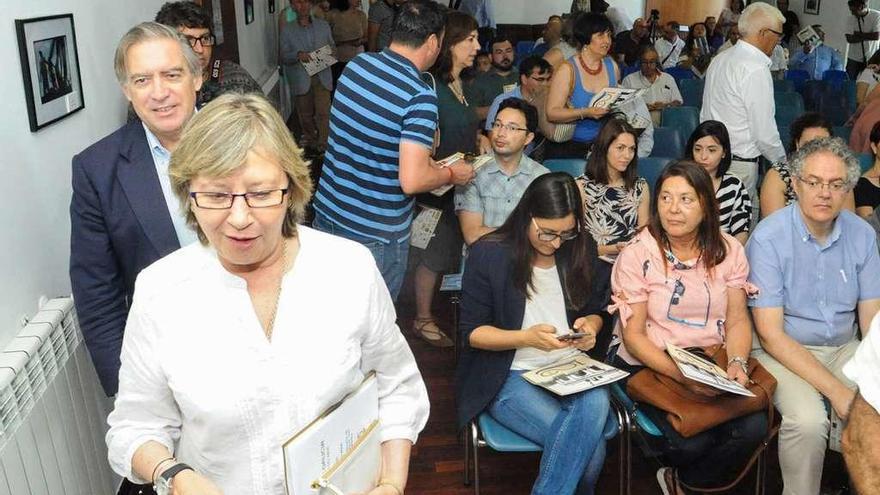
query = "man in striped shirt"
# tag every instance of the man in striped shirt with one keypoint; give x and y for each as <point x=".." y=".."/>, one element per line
<point x="382" y="127"/>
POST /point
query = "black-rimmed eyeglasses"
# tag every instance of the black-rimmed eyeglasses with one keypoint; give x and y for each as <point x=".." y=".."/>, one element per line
<point x="507" y="127"/>
<point x="224" y="201"/>
<point x="204" y="40"/>
<point x="545" y="236"/>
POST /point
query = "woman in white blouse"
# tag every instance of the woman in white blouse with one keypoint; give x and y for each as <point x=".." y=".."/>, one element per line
<point x="235" y="343"/>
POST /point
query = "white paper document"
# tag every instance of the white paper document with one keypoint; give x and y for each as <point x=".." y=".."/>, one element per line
<point x="342" y="438"/>
<point x="320" y="60"/>
<point x="700" y="370"/>
<point x="572" y="375"/>
<point x="423" y="226"/>
<point x="615" y="97"/>
<point x="449" y="160"/>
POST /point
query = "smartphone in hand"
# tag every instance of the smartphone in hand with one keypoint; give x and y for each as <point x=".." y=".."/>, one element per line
<point x="572" y="336"/>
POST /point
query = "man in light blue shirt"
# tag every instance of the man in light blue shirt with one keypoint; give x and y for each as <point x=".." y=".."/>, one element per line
<point x="817" y="269"/>
<point x="484" y="204"/>
<point x="816" y="60"/>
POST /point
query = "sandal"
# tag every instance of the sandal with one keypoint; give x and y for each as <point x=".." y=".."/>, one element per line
<point x="427" y="330"/>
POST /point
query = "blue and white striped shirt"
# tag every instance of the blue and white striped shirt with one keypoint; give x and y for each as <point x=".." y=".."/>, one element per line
<point x="380" y="100"/>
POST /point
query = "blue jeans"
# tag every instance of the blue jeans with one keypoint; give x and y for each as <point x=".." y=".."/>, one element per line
<point x="390" y="257"/>
<point x="568" y="428"/>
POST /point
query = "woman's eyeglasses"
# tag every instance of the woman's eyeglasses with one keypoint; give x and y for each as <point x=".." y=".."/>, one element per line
<point x="547" y="236"/>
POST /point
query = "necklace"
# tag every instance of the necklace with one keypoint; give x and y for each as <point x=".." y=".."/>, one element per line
<point x="588" y="70"/>
<point x="455" y="87"/>
<point x="284" y="265"/>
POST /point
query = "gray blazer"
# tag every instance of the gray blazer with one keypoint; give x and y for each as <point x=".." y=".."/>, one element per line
<point x="295" y="39"/>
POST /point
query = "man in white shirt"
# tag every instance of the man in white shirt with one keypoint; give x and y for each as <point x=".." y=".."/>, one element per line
<point x="860" y="448"/>
<point x="670" y="46"/>
<point x="660" y="88"/>
<point x="863" y="36"/>
<point x="739" y="93"/>
<point x="732" y="38"/>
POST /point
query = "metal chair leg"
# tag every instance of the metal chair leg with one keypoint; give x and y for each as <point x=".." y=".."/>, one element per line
<point x="622" y="474"/>
<point x="475" y="445"/>
<point x="467" y="457"/>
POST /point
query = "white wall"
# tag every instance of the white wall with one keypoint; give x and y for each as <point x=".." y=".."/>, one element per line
<point x="537" y="11"/>
<point x="35" y="185"/>
<point x="257" y="41"/>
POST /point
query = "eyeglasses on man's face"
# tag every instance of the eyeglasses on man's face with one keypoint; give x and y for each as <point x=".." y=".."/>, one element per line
<point x="777" y="33"/>
<point x="223" y="201"/>
<point x="813" y="185"/>
<point x="497" y="126"/>
<point x="541" y="79"/>
<point x="547" y="236"/>
<point x="204" y="40"/>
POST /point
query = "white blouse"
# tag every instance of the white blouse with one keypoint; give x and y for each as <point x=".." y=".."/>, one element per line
<point x="199" y="376"/>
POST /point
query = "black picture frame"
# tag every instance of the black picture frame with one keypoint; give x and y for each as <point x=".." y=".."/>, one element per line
<point x="271" y="6"/>
<point x="50" y="68"/>
<point x="248" y="11"/>
<point x="812" y="6"/>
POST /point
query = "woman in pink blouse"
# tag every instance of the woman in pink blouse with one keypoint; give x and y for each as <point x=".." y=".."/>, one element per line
<point x="683" y="281"/>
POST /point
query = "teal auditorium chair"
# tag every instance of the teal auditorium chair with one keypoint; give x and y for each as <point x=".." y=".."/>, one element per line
<point x="668" y="142"/>
<point x="785" y="135"/>
<point x="835" y="107"/>
<point x="835" y="78"/>
<point x="866" y="161"/>
<point x="692" y="83"/>
<point x="798" y="77"/>
<point x="486" y="432"/>
<point x="572" y="166"/>
<point x="679" y="74"/>
<point x="786" y="115"/>
<point x="683" y="118"/>
<point x="692" y="96"/>
<point x="650" y="168"/>
<point x="783" y="85"/>
<point x="812" y="92"/>
<point x="789" y="99"/>
<point x="627" y="70"/>
<point x="635" y="421"/>
<point x="842" y="132"/>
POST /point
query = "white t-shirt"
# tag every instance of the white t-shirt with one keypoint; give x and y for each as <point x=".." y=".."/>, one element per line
<point x="864" y="367"/>
<point x="870" y="24"/>
<point x="869" y="77"/>
<point x="668" y="52"/>
<point x="546" y="305"/>
<point x="663" y="89"/>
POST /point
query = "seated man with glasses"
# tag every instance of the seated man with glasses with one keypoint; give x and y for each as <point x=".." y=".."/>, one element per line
<point x="661" y="91"/>
<point x="485" y="203"/>
<point x="534" y="80"/>
<point x="218" y="76"/>
<point x="818" y="271"/>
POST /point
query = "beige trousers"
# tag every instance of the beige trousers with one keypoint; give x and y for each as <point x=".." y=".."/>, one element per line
<point x="803" y="435"/>
<point x="313" y="112"/>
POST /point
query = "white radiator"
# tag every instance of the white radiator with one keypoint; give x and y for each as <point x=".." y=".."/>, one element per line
<point x="52" y="411"/>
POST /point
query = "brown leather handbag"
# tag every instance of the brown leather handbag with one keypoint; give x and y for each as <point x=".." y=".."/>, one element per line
<point x="691" y="413"/>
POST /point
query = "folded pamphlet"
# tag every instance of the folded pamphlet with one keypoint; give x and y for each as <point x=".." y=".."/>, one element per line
<point x="571" y="375"/>
<point x="700" y="370"/>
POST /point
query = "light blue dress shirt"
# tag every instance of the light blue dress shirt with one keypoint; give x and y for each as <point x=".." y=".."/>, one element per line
<point x="161" y="159"/>
<point x="816" y="62"/>
<point x="817" y="286"/>
<point x="481" y="10"/>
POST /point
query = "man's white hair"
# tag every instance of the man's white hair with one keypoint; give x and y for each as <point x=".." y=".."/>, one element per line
<point x="758" y="16"/>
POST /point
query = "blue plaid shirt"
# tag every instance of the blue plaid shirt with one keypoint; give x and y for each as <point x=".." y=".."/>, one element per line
<point x="493" y="193"/>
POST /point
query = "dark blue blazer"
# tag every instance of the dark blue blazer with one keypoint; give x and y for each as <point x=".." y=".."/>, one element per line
<point x="119" y="224"/>
<point x="489" y="298"/>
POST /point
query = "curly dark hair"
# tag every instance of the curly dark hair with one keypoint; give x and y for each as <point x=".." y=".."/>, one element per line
<point x="183" y="14"/>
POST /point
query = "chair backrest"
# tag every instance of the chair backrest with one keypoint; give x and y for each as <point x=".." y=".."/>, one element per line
<point x="789" y="99"/>
<point x="835" y="77"/>
<point x="667" y="142"/>
<point x="524" y="47"/>
<point x="798" y="77"/>
<point x="684" y="118"/>
<point x="783" y="85"/>
<point x="812" y="93"/>
<point x="650" y="168"/>
<point x="784" y="135"/>
<point x="834" y="108"/>
<point x="842" y="132"/>
<point x="628" y="69"/>
<point x="866" y="161"/>
<point x="679" y="74"/>
<point x="692" y="95"/>
<point x="849" y="89"/>
<point x="572" y="166"/>
<point x="786" y="115"/>
<point x="692" y="83"/>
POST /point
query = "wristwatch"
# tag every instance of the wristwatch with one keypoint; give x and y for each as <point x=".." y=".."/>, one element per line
<point x="742" y="362"/>
<point x="163" y="482"/>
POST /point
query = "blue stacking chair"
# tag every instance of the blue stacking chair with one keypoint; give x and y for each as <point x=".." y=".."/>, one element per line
<point x="789" y="99"/>
<point x="849" y="89"/>
<point x="786" y="115"/>
<point x="783" y="85"/>
<point x="679" y="74"/>
<point x="812" y="92"/>
<point x="842" y="132"/>
<point x="798" y="77"/>
<point x="524" y="47"/>
<point x="834" y="107"/>
<point x="651" y="167"/>
<point x="866" y="161"/>
<point x="668" y="142"/>
<point x="635" y="421"/>
<point x="684" y="118"/>
<point x="835" y="77"/>
<point x="692" y="95"/>
<point x="692" y="83"/>
<point x="784" y="135"/>
<point x="572" y="166"/>
<point x="628" y="69"/>
<point x="486" y="432"/>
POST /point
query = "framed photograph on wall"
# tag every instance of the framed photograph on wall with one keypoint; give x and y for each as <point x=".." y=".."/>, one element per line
<point x="271" y="6"/>
<point x="49" y="68"/>
<point x="248" y="11"/>
<point x="811" y="7"/>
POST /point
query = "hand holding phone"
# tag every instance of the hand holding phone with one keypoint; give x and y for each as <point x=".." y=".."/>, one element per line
<point x="572" y="336"/>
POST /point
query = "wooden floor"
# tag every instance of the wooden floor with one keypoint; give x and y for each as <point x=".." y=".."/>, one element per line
<point x="437" y="463"/>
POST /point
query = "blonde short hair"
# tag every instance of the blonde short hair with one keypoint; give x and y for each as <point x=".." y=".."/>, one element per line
<point x="216" y="141"/>
<point x="147" y="31"/>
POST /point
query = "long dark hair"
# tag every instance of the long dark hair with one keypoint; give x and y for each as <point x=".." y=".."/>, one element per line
<point x="458" y="27"/>
<point x="553" y="195"/>
<point x="718" y="131"/>
<point x="597" y="165"/>
<point x="709" y="238"/>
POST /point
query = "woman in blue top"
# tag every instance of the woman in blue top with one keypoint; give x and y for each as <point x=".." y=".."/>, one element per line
<point x="575" y="83"/>
<point x="525" y="286"/>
